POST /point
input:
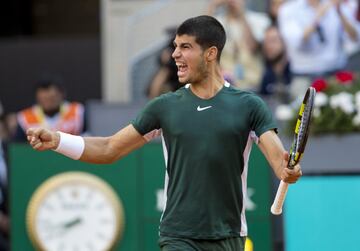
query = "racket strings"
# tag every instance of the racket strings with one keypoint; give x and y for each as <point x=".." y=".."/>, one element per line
<point x="301" y="134"/>
<point x="304" y="123"/>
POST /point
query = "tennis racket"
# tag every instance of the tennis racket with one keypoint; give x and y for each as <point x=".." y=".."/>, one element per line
<point x="297" y="147"/>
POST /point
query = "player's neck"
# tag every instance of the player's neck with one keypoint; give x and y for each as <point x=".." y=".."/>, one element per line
<point x="210" y="85"/>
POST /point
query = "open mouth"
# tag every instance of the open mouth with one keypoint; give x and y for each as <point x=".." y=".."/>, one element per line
<point x="182" y="69"/>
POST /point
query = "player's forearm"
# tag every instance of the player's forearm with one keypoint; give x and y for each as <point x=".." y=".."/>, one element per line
<point x="275" y="159"/>
<point x="273" y="150"/>
<point x="87" y="149"/>
<point x="106" y="150"/>
<point x="99" y="150"/>
<point x="277" y="164"/>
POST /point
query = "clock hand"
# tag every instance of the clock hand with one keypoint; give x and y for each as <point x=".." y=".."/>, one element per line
<point x="72" y="223"/>
<point x="61" y="228"/>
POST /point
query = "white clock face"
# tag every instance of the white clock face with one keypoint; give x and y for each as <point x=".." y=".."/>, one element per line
<point x="76" y="215"/>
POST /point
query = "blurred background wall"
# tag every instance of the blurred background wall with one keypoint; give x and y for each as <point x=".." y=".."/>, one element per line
<point x="49" y="39"/>
<point x="89" y="45"/>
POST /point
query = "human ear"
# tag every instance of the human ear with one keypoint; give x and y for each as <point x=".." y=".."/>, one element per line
<point x="211" y="54"/>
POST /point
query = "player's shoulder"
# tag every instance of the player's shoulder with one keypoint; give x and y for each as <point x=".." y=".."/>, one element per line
<point x="245" y="98"/>
<point x="239" y="93"/>
<point x="173" y="95"/>
<point x="167" y="98"/>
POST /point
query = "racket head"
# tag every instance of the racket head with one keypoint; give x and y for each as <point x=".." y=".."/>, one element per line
<point x="302" y="127"/>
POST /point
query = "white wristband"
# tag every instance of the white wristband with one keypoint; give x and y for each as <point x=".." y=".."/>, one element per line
<point x="70" y="145"/>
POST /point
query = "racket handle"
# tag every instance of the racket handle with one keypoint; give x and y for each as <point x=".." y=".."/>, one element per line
<point x="277" y="205"/>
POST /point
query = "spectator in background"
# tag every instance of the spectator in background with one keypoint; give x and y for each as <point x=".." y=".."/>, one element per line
<point x="277" y="75"/>
<point x="241" y="57"/>
<point x="4" y="217"/>
<point x="273" y="10"/>
<point x="10" y="125"/>
<point x="4" y="137"/>
<point x="51" y="111"/>
<point x="165" y="78"/>
<point x="353" y="47"/>
<point x="2" y="123"/>
<point x="314" y="32"/>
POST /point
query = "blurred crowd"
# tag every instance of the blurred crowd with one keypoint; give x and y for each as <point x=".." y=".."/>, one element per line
<point x="51" y="110"/>
<point x="276" y="54"/>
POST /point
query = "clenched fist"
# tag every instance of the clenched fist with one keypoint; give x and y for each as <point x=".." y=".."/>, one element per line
<point x="290" y="175"/>
<point x="42" y="139"/>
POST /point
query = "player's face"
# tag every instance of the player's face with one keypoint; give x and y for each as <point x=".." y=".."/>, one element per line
<point x="189" y="58"/>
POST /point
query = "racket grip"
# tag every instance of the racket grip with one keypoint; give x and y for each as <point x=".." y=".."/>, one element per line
<point x="277" y="205"/>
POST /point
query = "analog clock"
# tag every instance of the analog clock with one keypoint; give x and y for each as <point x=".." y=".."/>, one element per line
<point x="75" y="211"/>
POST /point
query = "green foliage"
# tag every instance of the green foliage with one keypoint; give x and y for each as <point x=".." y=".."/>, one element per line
<point x="332" y="121"/>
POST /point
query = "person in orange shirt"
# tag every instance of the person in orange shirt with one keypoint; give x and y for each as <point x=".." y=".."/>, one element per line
<point x="51" y="111"/>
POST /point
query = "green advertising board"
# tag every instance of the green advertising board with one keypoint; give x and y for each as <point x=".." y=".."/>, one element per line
<point x="138" y="183"/>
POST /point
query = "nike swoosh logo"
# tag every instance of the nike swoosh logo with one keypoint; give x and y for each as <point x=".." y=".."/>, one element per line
<point x="203" y="108"/>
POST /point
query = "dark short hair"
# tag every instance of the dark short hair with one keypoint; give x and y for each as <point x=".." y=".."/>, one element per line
<point x="207" y="32"/>
<point x="46" y="84"/>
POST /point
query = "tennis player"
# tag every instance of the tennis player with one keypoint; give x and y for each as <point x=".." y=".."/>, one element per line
<point x="207" y="128"/>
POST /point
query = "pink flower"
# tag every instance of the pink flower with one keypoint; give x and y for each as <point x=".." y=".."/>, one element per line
<point x="319" y="84"/>
<point x="344" y="77"/>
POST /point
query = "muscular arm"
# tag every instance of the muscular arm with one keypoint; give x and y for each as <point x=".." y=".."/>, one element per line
<point x="98" y="150"/>
<point x="277" y="156"/>
<point x="103" y="150"/>
<point x="273" y="150"/>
